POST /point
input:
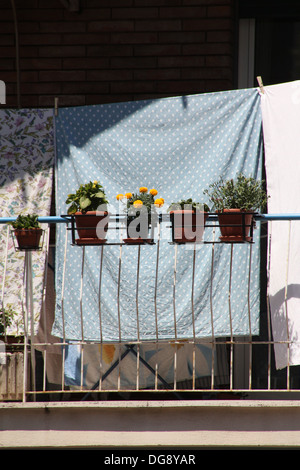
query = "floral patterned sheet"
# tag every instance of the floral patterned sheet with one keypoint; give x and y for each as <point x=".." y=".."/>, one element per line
<point x="26" y="172"/>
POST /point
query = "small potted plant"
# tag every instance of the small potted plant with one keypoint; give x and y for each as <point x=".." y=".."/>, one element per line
<point x="141" y="213"/>
<point x="7" y="315"/>
<point x="188" y="220"/>
<point x="235" y="202"/>
<point x="27" y="231"/>
<point x="89" y="207"/>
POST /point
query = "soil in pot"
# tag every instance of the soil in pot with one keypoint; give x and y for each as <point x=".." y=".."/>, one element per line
<point x="235" y="225"/>
<point x="187" y="225"/>
<point x="92" y="226"/>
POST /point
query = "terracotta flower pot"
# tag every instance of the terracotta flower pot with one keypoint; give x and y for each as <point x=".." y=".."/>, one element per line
<point x="187" y="225"/>
<point x="92" y="226"/>
<point x="235" y="225"/>
<point x="28" y="239"/>
<point x="138" y="230"/>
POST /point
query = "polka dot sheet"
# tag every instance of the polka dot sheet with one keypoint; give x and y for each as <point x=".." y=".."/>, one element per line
<point x="178" y="146"/>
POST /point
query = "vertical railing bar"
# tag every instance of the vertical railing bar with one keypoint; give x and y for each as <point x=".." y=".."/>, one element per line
<point x="194" y="366"/>
<point x="119" y="316"/>
<point x="137" y="316"/>
<point x="268" y="305"/>
<point x="211" y="309"/>
<point x="137" y="292"/>
<point x="174" y="307"/>
<point x="138" y="368"/>
<point x="81" y="315"/>
<point x="118" y="293"/>
<point x="175" y="366"/>
<point x="249" y="317"/>
<point x="192" y="293"/>
<point x="25" y="320"/>
<point x="174" y="289"/>
<point x="29" y="294"/>
<point x="100" y="318"/>
<point x="119" y="367"/>
<point x="81" y="364"/>
<point x="62" y="310"/>
<point x="99" y="294"/>
<point x="193" y="317"/>
<point x="286" y="307"/>
<point x="4" y="277"/>
<point x="230" y="318"/>
<point x="44" y="310"/>
<point x="100" y="366"/>
<point x="81" y="292"/>
<point x="155" y="302"/>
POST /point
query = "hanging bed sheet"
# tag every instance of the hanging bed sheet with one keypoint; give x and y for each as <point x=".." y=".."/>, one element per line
<point x="26" y="164"/>
<point x="281" y="116"/>
<point x="179" y="146"/>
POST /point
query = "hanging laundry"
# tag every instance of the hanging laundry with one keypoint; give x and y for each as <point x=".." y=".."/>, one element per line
<point x="281" y="116"/>
<point x="26" y="173"/>
<point x="179" y="146"/>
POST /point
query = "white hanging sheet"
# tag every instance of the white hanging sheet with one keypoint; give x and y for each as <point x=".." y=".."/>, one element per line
<point x="281" y="127"/>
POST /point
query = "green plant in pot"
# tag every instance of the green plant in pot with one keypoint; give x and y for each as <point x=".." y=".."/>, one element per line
<point x="235" y="201"/>
<point x="141" y="213"/>
<point x="27" y="231"/>
<point x="7" y="315"/>
<point x="188" y="220"/>
<point x="89" y="206"/>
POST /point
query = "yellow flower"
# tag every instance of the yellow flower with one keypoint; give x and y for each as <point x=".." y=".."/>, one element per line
<point x="95" y="182"/>
<point x="143" y="189"/>
<point x="128" y="195"/>
<point x="153" y="192"/>
<point x="120" y="196"/>
<point x="138" y="203"/>
<point x="159" y="202"/>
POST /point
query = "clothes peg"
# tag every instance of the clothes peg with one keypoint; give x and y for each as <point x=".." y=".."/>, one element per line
<point x="260" y="83"/>
<point x="56" y="106"/>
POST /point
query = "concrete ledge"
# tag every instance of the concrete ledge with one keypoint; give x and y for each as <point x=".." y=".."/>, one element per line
<point x="145" y="424"/>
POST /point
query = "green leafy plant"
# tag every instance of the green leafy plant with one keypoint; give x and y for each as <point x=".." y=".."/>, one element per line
<point x="6" y="318"/>
<point x="88" y="197"/>
<point x="243" y="193"/>
<point x="188" y="204"/>
<point x="26" y="222"/>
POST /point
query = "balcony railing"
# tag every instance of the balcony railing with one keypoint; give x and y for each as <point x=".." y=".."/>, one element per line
<point x="210" y="365"/>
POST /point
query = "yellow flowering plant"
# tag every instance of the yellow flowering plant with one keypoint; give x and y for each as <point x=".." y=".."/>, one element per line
<point x="144" y="198"/>
<point x="88" y="197"/>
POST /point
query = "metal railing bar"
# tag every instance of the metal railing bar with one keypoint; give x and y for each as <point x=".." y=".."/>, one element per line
<point x="268" y="306"/>
<point x="249" y="319"/>
<point x="211" y="310"/>
<point x="118" y="296"/>
<point x="62" y="312"/>
<point x="250" y="342"/>
<point x="3" y="281"/>
<point x="230" y="318"/>
<point x="286" y="306"/>
<point x="66" y="219"/>
<point x="174" y="289"/>
<point x="137" y="292"/>
<point x="99" y="294"/>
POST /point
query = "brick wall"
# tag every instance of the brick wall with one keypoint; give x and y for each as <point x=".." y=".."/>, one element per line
<point x="115" y="50"/>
